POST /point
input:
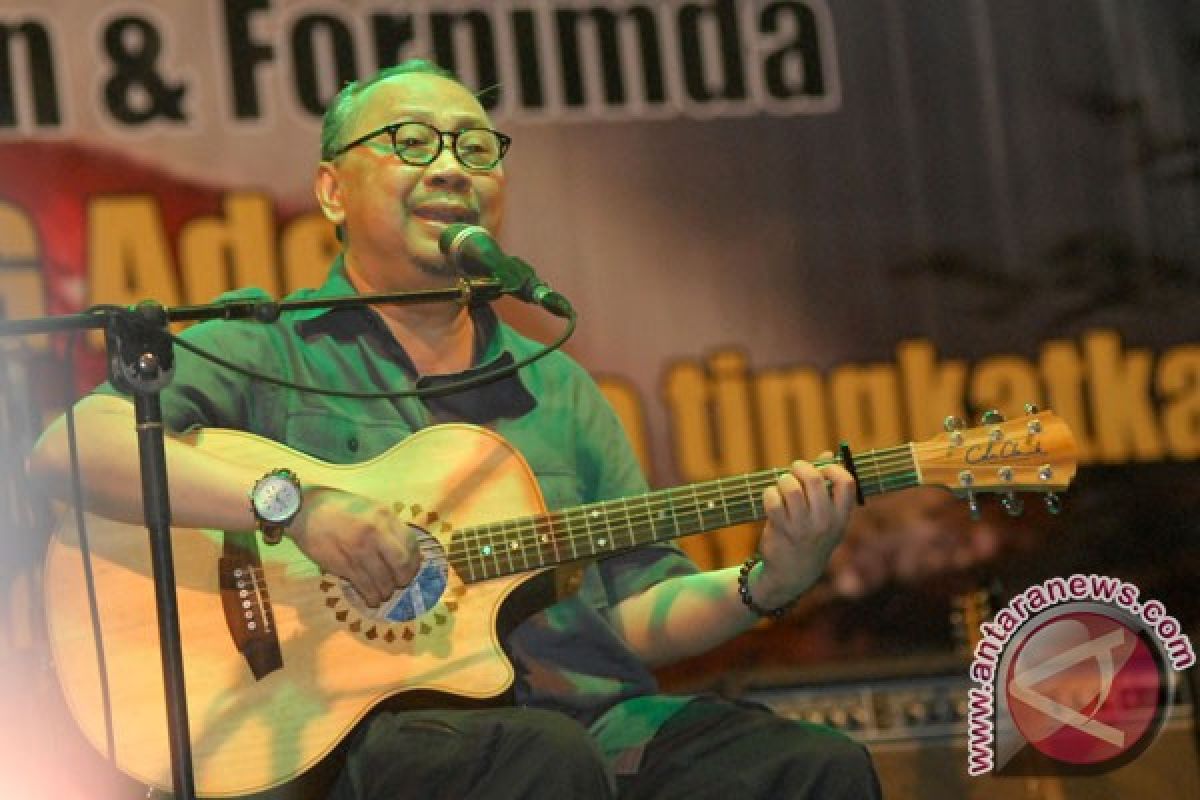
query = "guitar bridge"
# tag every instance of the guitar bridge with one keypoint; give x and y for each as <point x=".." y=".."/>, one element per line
<point x="246" y="602"/>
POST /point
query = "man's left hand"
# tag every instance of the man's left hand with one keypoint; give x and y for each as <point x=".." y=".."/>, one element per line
<point x="806" y="511"/>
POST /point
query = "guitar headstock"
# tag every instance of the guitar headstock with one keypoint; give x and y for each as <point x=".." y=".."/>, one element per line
<point x="1033" y="453"/>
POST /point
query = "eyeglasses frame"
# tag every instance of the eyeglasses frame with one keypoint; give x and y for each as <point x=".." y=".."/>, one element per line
<point x="391" y="130"/>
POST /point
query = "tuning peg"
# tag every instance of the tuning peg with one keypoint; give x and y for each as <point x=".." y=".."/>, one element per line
<point x="1054" y="503"/>
<point x="991" y="417"/>
<point x="1012" y="504"/>
<point x="952" y="424"/>
<point x="973" y="505"/>
<point x="1031" y="408"/>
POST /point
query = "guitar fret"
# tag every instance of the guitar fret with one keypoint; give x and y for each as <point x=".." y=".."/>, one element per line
<point x="595" y="518"/>
<point x="542" y="529"/>
<point x="608" y="542"/>
<point x="755" y="493"/>
<point x="602" y="517"/>
<point x="549" y="538"/>
<point x="603" y="521"/>
<point x="706" y="508"/>
<point x="472" y="554"/>
<point x="584" y="517"/>
<point x="491" y="550"/>
<point x="513" y="543"/>
<point x="648" y="529"/>
<point x="501" y="547"/>
<point x="610" y="524"/>
<point x="555" y="534"/>
<point x="571" y="533"/>
<point x="675" y="529"/>
<point x="529" y="529"/>
<point x="631" y="523"/>
<point x="697" y="524"/>
<point x="504" y="547"/>
<point x="467" y="538"/>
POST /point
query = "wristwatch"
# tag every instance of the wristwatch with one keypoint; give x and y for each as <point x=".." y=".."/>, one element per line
<point x="275" y="500"/>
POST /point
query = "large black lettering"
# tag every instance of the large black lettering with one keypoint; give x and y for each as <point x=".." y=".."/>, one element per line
<point x="40" y="71"/>
<point x="608" y="40"/>
<point x="245" y="54"/>
<point x="733" y="68"/>
<point x="529" y="66"/>
<point x="794" y="69"/>
<point x="392" y="34"/>
<point x="136" y="93"/>
<point x="483" y="42"/>
<point x="304" y="59"/>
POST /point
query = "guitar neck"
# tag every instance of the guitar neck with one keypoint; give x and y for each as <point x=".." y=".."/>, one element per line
<point x="597" y="529"/>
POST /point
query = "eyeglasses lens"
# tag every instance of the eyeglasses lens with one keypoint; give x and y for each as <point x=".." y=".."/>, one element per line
<point x="477" y="148"/>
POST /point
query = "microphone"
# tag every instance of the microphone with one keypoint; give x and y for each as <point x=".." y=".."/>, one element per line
<point x="472" y="249"/>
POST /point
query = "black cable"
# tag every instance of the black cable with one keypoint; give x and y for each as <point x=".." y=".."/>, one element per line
<point x="85" y="552"/>
<point x="429" y="391"/>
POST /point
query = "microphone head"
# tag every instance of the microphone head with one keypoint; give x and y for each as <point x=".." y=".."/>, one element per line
<point x="452" y="239"/>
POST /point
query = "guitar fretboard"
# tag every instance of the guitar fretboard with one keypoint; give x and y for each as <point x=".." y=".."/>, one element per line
<point x="603" y="528"/>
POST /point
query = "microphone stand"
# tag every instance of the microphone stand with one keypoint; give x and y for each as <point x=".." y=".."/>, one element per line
<point x="141" y="362"/>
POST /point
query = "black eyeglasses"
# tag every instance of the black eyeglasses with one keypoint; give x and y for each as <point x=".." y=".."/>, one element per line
<point x="419" y="144"/>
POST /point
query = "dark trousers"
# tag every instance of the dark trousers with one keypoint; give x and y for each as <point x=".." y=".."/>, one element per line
<point x="709" y="749"/>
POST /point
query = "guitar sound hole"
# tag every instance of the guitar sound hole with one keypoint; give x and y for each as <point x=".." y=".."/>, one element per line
<point x="418" y="597"/>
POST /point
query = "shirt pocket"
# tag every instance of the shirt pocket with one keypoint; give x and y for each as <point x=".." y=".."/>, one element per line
<point x="340" y="439"/>
<point x="559" y="485"/>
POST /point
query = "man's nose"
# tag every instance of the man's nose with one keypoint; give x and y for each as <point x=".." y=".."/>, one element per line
<point x="446" y="168"/>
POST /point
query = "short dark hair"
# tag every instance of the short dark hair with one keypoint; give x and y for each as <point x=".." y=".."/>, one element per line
<point x="343" y="104"/>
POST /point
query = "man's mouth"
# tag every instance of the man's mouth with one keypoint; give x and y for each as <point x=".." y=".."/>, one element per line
<point x="446" y="214"/>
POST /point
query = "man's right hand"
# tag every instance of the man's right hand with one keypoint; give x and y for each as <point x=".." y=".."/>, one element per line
<point x="359" y="539"/>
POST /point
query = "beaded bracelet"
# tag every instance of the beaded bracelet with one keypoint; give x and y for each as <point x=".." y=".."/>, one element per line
<point x="744" y="591"/>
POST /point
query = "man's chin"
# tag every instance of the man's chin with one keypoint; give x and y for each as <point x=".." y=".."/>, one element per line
<point x="436" y="267"/>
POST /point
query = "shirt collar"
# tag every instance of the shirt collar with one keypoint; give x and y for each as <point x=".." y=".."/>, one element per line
<point x="507" y="397"/>
<point x="353" y="320"/>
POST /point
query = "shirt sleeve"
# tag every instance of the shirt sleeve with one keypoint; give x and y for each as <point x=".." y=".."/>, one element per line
<point x="611" y="470"/>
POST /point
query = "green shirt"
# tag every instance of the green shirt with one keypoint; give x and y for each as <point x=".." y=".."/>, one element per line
<point x="567" y="657"/>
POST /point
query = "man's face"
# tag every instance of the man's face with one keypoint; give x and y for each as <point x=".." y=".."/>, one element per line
<point x="394" y="212"/>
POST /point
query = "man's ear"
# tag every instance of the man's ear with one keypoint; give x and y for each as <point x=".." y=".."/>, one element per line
<point x="327" y="186"/>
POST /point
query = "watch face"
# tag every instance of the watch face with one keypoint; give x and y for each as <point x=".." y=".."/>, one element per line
<point x="276" y="498"/>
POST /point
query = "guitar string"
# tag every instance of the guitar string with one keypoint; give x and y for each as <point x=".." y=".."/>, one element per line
<point x="643" y="512"/>
<point x="635" y="515"/>
<point x="638" y="515"/>
<point x="642" y="530"/>
<point x="663" y="500"/>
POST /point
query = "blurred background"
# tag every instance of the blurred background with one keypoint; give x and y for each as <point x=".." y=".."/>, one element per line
<point x="784" y="225"/>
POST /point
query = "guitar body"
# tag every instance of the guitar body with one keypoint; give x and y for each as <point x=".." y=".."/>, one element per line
<point x="334" y="658"/>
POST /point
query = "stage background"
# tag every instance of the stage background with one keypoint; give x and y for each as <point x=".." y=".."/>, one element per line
<point x="783" y="224"/>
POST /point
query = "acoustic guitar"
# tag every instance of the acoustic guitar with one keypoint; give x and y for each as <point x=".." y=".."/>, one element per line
<point x="281" y="661"/>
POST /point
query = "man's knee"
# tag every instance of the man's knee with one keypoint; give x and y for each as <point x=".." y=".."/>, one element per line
<point x="832" y="765"/>
<point x="556" y="757"/>
<point x="555" y="739"/>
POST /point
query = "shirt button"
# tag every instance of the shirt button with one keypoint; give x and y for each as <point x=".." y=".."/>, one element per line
<point x="352" y="444"/>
